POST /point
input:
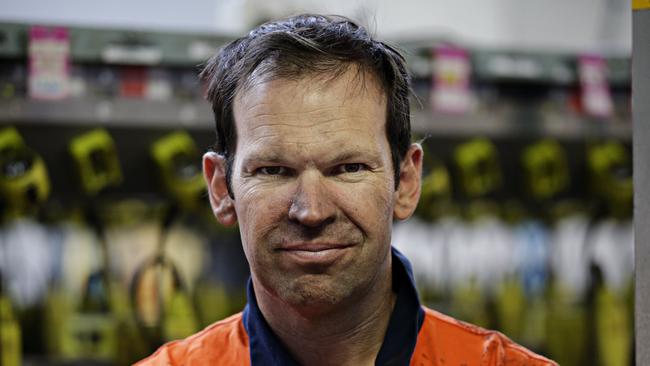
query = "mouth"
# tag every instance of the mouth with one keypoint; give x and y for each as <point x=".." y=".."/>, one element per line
<point x="315" y="253"/>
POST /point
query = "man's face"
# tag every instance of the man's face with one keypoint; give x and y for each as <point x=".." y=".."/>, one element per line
<point x="313" y="184"/>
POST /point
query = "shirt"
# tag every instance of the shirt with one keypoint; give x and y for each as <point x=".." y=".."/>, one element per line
<point x="416" y="335"/>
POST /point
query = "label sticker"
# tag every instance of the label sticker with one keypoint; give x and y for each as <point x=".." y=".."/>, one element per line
<point x="451" y="81"/>
<point x="595" y="93"/>
<point x="49" y="62"/>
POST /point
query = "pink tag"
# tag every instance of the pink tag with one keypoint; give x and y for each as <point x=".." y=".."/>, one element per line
<point x="594" y="88"/>
<point x="49" y="63"/>
<point x="450" y="90"/>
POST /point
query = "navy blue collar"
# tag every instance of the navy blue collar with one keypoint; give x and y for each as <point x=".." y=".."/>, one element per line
<point x="403" y="328"/>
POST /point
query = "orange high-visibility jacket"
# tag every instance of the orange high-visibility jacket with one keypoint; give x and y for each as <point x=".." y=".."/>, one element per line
<point x="442" y="341"/>
<point x="416" y="335"/>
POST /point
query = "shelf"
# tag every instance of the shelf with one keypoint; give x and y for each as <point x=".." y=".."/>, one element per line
<point x="118" y="46"/>
<point x="491" y="65"/>
<point x="192" y="115"/>
<point x="103" y="112"/>
<point x="496" y="126"/>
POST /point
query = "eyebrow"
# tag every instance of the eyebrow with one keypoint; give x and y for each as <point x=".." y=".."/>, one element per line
<point x="351" y="155"/>
<point x="265" y="157"/>
<point x="274" y="158"/>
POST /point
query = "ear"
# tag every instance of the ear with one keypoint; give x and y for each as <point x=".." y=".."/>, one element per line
<point x="214" y="172"/>
<point x="410" y="178"/>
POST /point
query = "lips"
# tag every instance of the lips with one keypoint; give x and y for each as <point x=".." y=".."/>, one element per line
<point x="313" y="247"/>
<point x="315" y="253"/>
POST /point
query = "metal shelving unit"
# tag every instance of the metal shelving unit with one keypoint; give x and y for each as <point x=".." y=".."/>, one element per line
<point x="161" y="49"/>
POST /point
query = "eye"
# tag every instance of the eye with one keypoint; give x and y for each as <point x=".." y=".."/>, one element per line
<point x="350" y="168"/>
<point x="273" y="170"/>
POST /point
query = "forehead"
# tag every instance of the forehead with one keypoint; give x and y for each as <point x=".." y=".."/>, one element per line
<point x="311" y="110"/>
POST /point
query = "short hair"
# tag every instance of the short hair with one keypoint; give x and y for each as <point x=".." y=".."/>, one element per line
<point x="300" y="46"/>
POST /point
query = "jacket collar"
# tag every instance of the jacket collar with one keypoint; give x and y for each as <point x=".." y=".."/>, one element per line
<point x="401" y="336"/>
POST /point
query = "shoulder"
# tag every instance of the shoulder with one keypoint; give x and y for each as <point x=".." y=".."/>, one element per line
<point x="445" y="340"/>
<point x="222" y="343"/>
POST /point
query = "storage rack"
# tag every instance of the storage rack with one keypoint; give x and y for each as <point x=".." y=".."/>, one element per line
<point x="134" y="122"/>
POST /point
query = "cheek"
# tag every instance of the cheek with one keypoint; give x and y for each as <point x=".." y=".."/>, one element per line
<point x="259" y="210"/>
<point x="368" y="204"/>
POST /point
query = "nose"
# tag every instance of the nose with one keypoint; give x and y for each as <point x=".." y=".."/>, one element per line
<point x="311" y="205"/>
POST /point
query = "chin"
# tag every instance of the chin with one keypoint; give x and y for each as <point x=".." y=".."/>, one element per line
<point x="310" y="294"/>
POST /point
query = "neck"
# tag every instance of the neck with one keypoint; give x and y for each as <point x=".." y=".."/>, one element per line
<point x="350" y="334"/>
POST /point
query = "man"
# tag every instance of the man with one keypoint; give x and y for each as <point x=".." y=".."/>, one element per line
<point x="313" y="158"/>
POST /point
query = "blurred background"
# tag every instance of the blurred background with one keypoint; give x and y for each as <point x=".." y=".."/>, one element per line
<point x="108" y="247"/>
